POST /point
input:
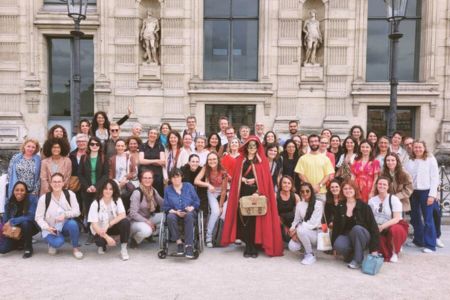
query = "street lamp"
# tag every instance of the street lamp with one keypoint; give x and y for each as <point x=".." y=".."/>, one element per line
<point x="395" y="12"/>
<point x="76" y="9"/>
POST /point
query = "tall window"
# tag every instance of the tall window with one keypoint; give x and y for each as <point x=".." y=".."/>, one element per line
<point x="231" y="40"/>
<point x="378" y="45"/>
<point x="60" y="80"/>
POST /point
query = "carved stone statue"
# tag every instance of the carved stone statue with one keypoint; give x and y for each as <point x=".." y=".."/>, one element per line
<point x="312" y="38"/>
<point x="150" y="38"/>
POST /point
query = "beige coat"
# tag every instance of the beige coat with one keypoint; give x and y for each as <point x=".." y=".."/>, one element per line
<point x="64" y="167"/>
<point x="403" y="191"/>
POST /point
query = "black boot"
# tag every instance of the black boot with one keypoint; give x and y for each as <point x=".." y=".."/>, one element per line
<point x="247" y="251"/>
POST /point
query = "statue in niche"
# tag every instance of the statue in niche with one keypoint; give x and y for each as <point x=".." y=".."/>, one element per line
<point x="149" y="36"/>
<point x="312" y="39"/>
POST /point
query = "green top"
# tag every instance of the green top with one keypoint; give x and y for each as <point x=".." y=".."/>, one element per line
<point x="93" y="169"/>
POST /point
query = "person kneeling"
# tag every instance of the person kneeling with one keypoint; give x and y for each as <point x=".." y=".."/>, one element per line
<point x="54" y="214"/>
<point x="308" y="216"/>
<point x="108" y="217"/>
<point x="181" y="202"/>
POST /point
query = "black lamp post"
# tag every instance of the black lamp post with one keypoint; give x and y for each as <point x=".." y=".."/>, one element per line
<point x="76" y="9"/>
<point x="395" y="12"/>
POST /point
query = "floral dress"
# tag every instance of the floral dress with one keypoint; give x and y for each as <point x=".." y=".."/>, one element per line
<point x="365" y="174"/>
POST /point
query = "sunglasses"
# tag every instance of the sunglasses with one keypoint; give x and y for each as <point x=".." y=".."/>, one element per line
<point x="94" y="144"/>
<point x="380" y="208"/>
<point x="114" y="130"/>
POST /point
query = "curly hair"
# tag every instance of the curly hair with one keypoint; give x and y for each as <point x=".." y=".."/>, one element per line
<point x="94" y="123"/>
<point x="30" y="140"/>
<point x="51" y="131"/>
<point x="63" y="144"/>
<point x="115" y="187"/>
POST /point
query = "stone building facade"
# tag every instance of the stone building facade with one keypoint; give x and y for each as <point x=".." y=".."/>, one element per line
<point x="335" y="95"/>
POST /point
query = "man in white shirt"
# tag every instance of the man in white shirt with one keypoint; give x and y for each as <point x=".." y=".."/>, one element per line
<point x="191" y="124"/>
<point x="223" y="125"/>
<point x="259" y="131"/>
<point x="396" y="147"/>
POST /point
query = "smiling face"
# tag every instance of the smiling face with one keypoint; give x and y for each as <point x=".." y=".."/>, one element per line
<point x="173" y="140"/>
<point x="58" y="133"/>
<point x="335" y="189"/>
<point x="152" y="135"/>
<point x="108" y="191"/>
<point x="214" y="140"/>
<point x="20" y="191"/>
<point x="223" y="124"/>
<point x="200" y="144"/>
<point x="270" y="138"/>
<point x="290" y="148"/>
<point x="29" y="148"/>
<point x="305" y="192"/>
<point x="120" y="147"/>
<point x="382" y="186"/>
<point x="314" y="143"/>
<point x="365" y="149"/>
<point x="165" y="129"/>
<point x="349" y="145"/>
<point x="187" y="141"/>
<point x="383" y="144"/>
<point x="56" y="150"/>
<point x="114" y="131"/>
<point x="372" y="137"/>
<point x="335" y="142"/>
<point x="348" y="191"/>
<point x="194" y="162"/>
<point x="298" y="141"/>
<point x="57" y="183"/>
<point x="272" y="153"/>
<point x="147" y="179"/>
<point x="286" y="185"/>
<point x="234" y="144"/>
<point x="244" y="132"/>
<point x="133" y="146"/>
<point x="356" y="133"/>
<point x="391" y="162"/>
<point x="324" y="144"/>
<point x="84" y="127"/>
<point x="100" y="119"/>
<point x="418" y="149"/>
<point x="136" y="131"/>
<point x="212" y="160"/>
<point x="252" y="148"/>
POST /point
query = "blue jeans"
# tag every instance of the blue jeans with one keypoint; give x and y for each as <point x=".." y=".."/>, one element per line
<point x="70" y="229"/>
<point x="422" y="220"/>
<point x="188" y="221"/>
<point x="437" y="216"/>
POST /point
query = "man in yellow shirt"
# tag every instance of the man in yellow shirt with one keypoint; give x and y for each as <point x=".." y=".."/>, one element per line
<point x="315" y="168"/>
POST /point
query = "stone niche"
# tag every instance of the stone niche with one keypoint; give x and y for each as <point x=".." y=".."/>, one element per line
<point x="313" y="72"/>
<point x="150" y="61"/>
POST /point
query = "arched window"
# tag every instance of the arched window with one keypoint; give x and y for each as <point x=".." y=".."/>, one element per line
<point x="230" y="39"/>
<point x="378" y="43"/>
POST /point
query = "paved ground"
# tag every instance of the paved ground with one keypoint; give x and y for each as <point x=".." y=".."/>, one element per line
<point x="220" y="273"/>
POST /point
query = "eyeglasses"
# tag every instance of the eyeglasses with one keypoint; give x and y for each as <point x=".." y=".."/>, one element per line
<point x="94" y="144"/>
<point x="380" y="208"/>
<point x="114" y="130"/>
<point x="305" y="191"/>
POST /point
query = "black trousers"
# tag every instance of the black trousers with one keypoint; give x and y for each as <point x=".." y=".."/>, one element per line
<point x="122" y="228"/>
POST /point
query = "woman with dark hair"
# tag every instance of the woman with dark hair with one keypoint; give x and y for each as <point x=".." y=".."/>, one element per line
<point x="401" y="181"/>
<point x="84" y="127"/>
<point x="107" y="216"/>
<point x="25" y="166"/>
<point x="152" y="157"/>
<point x="365" y="170"/>
<point x="354" y="227"/>
<point x="326" y="133"/>
<point x="214" y="144"/>
<point x="286" y="201"/>
<point x="57" y="132"/>
<point x="56" y="150"/>
<point x="213" y="177"/>
<point x="357" y="133"/>
<point x="275" y="165"/>
<point x="133" y="143"/>
<point x="298" y="141"/>
<point x="308" y="216"/>
<point x="100" y="124"/>
<point x="336" y="148"/>
<point x="372" y="137"/>
<point x="270" y="138"/>
<point x="185" y="151"/>
<point x="173" y="151"/>
<point x="181" y="203"/>
<point x="252" y="177"/>
<point x="290" y="157"/>
<point x="164" y="131"/>
<point x="305" y="145"/>
<point x="333" y="201"/>
<point x="92" y="173"/>
<point x="347" y="158"/>
<point x="191" y="169"/>
<point x="424" y="171"/>
<point x="387" y="210"/>
<point x="19" y="212"/>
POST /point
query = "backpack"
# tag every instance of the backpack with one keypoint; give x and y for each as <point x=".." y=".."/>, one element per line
<point x="48" y="198"/>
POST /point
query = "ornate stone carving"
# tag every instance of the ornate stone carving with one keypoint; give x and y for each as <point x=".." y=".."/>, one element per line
<point x="150" y="38"/>
<point x="33" y="100"/>
<point x="312" y="38"/>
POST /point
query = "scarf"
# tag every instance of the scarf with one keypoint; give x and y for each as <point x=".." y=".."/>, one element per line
<point x="148" y="193"/>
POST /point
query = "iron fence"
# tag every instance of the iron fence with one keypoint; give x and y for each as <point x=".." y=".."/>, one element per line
<point x="444" y="190"/>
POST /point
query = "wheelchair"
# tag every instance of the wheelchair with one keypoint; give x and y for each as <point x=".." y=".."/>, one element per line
<point x="164" y="238"/>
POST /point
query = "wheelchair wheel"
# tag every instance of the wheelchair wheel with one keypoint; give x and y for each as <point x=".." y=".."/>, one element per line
<point x="201" y="232"/>
<point x="162" y="254"/>
<point x="196" y="254"/>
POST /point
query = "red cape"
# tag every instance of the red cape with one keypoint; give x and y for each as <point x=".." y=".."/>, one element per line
<point x="268" y="230"/>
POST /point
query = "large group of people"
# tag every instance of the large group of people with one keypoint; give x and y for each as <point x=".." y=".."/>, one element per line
<point x="363" y="190"/>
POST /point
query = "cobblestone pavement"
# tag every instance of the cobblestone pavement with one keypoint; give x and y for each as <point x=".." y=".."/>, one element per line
<point x="220" y="273"/>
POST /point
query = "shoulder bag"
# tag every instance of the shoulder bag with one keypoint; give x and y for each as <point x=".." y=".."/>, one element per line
<point x="12" y="232"/>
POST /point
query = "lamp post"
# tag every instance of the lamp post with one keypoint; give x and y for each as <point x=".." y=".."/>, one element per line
<point x="76" y="9"/>
<point x="395" y="12"/>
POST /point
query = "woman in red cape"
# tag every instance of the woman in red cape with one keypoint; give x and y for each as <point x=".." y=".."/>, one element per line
<point x="252" y="175"/>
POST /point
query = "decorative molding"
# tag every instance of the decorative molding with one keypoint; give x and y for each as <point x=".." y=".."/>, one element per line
<point x="33" y="100"/>
<point x="230" y="87"/>
<point x="337" y="56"/>
<point x="173" y="106"/>
<point x="288" y="55"/>
<point x="172" y="55"/>
<point x="122" y="103"/>
<point x="289" y="29"/>
<point x="102" y="102"/>
<point x="289" y="4"/>
<point x="287" y="107"/>
<point x="9" y="24"/>
<point x="404" y="88"/>
<point x="10" y="103"/>
<point x="343" y="4"/>
<point x="338" y="28"/>
<point x="125" y="54"/>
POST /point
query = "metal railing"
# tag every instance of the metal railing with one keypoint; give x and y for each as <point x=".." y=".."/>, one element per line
<point x="444" y="190"/>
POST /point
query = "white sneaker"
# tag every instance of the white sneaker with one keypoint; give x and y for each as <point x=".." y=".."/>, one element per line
<point x="309" y="259"/>
<point x="100" y="250"/>
<point x="401" y="249"/>
<point x="51" y="250"/>
<point x="78" y="254"/>
<point x="427" y="250"/>
<point x="124" y="254"/>
<point x="237" y="242"/>
<point x="209" y="244"/>
<point x="439" y="243"/>
<point x="394" y="258"/>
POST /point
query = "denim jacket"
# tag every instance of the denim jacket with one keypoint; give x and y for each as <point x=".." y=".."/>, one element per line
<point x="11" y="212"/>
<point x="188" y="197"/>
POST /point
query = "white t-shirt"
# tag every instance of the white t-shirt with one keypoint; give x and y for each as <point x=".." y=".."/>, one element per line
<point x="385" y="214"/>
<point x="121" y="167"/>
<point x="105" y="214"/>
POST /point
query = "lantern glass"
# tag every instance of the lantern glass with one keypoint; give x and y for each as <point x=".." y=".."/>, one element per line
<point x="77" y="9"/>
<point x="395" y="9"/>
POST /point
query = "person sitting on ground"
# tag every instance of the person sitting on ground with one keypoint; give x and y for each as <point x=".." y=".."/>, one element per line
<point x="108" y="217"/>
<point x="286" y="201"/>
<point x="308" y="217"/>
<point x="354" y="227"/>
<point x="181" y="202"/>
<point x="144" y="207"/>
<point x="387" y="210"/>
<point x="19" y="212"/>
<point x="55" y="215"/>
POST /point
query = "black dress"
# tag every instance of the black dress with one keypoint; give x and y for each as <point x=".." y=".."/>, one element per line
<point x="246" y="224"/>
<point x="286" y="209"/>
